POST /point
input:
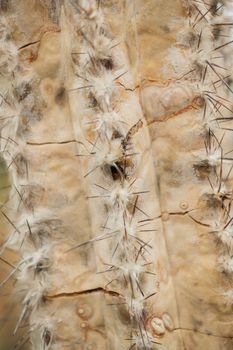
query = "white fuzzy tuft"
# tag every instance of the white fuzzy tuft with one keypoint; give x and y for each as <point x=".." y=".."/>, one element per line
<point x="143" y="340"/>
<point x="226" y="263"/>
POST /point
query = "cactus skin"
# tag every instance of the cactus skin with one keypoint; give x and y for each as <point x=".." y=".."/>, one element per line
<point x="115" y="134"/>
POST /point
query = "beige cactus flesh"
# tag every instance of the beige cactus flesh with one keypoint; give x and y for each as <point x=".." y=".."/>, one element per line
<point x="116" y="129"/>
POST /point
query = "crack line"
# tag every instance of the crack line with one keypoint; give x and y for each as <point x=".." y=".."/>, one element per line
<point x="83" y="292"/>
<point x="52" y="143"/>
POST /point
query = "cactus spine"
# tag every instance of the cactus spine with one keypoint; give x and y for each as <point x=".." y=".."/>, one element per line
<point x="98" y="153"/>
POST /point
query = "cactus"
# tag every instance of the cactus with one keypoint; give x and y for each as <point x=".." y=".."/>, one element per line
<point x="116" y="131"/>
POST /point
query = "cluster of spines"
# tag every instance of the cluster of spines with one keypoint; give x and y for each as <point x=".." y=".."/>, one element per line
<point x="209" y="39"/>
<point x="30" y="234"/>
<point x="113" y="153"/>
<point x="115" y="160"/>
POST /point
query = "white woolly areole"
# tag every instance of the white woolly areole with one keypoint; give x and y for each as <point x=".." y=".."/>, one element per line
<point x="226" y="237"/>
<point x="131" y="227"/>
<point x="214" y="157"/>
<point x="107" y="123"/>
<point x="143" y="340"/>
<point x="119" y="196"/>
<point x="135" y="307"/>
<point x="31" y="260"/>
<point x="108" y="153"/>
<point x="226" y="263"/>
<point x="8" y="57"/>
<point x="132" y="268"/>
<point x="4" y="29"/>
<point x="102" y="88"/>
